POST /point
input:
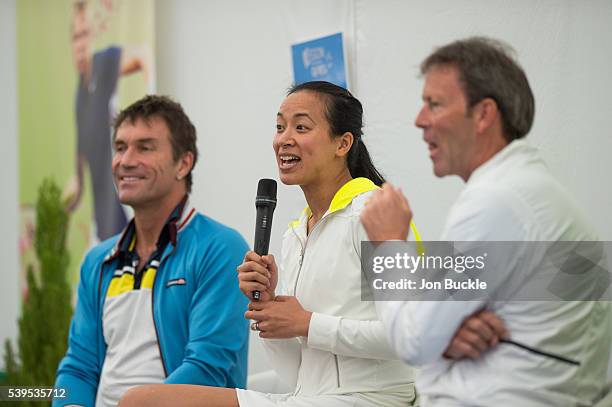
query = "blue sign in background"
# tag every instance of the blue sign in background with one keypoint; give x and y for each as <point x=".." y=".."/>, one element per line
<point x="321" y="59"/>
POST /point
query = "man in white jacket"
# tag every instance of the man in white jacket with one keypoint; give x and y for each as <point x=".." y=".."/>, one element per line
<point x="477" y="108"/>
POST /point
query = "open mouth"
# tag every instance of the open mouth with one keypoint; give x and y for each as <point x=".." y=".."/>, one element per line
<point x="287" y="161"/>
<point x="433" y="149"/>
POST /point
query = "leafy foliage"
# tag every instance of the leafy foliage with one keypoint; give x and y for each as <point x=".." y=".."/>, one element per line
<point x="46" y="312"/>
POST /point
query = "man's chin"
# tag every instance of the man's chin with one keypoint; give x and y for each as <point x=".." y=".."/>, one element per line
<point x="131" y="200"/>
<point x="439" y="172"/>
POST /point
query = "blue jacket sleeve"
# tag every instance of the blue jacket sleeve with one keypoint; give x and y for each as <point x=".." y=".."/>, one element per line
<point x="216" y="353"/>
<point x="79" y="370"/>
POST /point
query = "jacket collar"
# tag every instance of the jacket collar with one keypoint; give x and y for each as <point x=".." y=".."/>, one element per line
<point x="342" y="198"/>
<point x="177" y="221"/>
<point x="516" y="148"/>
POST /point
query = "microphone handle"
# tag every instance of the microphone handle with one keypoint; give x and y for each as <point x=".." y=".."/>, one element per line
<point x="262" y="236"/>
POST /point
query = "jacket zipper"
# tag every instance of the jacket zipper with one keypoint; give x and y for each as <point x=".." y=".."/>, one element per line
<point x="300" y="261"/>
<point x="100" y="324"/>
<point x="157" y="272"/>
<point x="161" y="354"/>
<point x="337" y="370"/>
<point x="303" y="251"/>
<point x="297" y="279"/>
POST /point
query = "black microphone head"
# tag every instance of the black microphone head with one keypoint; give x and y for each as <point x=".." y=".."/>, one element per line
<point x="266" y="192"/>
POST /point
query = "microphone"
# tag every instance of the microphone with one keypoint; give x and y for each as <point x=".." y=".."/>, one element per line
<point x="265" y="202"/>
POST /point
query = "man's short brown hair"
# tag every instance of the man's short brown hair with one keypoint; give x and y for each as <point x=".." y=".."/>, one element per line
<point x="487" y="70"/>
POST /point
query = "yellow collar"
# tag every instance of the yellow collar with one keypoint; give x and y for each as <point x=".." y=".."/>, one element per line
<point x="343" y="196"/>
<point x="346" y="194"/>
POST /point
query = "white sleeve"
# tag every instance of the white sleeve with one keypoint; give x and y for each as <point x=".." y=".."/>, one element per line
<point x="420" y="331"/>
<point x="349" y="337"/>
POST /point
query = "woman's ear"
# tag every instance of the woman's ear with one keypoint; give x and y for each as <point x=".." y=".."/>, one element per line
<point x="344" y="144"/>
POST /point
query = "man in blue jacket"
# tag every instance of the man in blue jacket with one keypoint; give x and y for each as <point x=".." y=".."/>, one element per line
<point x="160" y="303"/>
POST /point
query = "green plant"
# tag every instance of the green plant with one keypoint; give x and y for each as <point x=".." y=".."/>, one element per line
<point x="46" y="310"/>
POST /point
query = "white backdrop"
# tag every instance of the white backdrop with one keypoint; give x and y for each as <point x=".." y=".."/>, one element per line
<point x="564" y="47"/>
<point x="229" y="64"/>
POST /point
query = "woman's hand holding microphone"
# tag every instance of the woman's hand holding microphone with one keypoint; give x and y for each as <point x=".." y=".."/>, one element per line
<point x="274" y="316"/>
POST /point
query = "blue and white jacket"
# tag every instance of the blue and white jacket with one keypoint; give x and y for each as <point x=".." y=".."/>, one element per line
<point x="198" y="311"/>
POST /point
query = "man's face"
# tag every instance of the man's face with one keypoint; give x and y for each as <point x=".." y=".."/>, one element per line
<point x="144" y="170"/>
<point x="448" y="128"/>
<point x="81" y="40"/>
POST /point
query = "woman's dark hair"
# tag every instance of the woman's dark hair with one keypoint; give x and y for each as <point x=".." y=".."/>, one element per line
<point x="345" y="114"/>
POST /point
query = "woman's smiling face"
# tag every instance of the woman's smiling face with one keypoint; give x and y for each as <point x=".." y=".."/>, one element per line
<point x="304" y="147"/>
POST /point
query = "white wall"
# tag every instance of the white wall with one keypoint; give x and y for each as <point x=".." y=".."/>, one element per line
<point x="564" y="47"/>
<point x="9" y="215"/>
<point x="229" y="64"/>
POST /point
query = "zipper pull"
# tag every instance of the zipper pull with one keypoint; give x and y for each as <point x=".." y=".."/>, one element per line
<point x="301" y="258"/>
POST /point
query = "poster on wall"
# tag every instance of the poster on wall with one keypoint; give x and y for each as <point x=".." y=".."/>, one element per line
<point x="321" y="59"/>
<point x="79" y="63"/>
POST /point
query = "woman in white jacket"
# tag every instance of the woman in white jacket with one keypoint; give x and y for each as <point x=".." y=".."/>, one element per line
<point x="318" y="332"/>
<point x="333" y="345"/>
